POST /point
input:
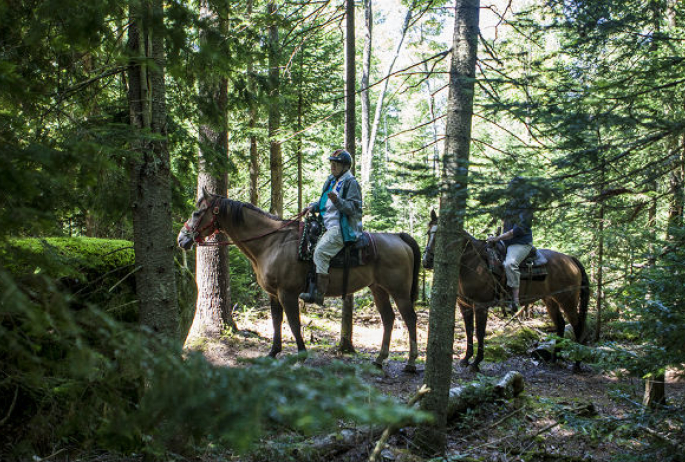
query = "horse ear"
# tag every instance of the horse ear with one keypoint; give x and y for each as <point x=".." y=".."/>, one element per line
<point x="434" y="216"/>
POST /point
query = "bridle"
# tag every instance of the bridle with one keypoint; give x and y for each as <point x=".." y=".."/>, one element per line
<point x="200" y="240"/>
<point x="197" y="233"/>
<point x="432" y="230"/>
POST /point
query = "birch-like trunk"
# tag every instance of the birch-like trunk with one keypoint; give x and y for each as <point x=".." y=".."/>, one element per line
<point x="366" y="72"/>
<point x="367" y="151"/>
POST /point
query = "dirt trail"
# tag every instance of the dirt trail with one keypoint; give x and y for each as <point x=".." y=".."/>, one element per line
<point x="556" y="418"/>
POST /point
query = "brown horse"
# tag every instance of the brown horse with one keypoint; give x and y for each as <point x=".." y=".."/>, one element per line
<point x="564" y="289"/>
<point x="272" y="246"/>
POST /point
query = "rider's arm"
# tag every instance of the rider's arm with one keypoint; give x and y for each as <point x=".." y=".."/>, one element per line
<point x="351" y="204"/>
<point x="502" y="237"/>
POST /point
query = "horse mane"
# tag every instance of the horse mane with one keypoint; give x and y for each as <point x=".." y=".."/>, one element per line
<point x="235" y="210"/>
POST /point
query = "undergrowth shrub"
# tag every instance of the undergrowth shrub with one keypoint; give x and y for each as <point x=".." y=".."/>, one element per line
<point x="74" y="378"/>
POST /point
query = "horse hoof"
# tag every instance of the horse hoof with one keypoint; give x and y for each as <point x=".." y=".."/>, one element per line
<point x="410" y="369"/>
<point x="474" y="368"/>
<point x="464" y="363"/>
<point x="378" y="364"/>
<point x="272" y="353"/>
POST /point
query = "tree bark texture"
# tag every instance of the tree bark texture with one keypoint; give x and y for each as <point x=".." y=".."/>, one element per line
<point x="213" y="308"/>
<point x="252" y="127"/>
<point x="276" y="157"/>
<point x="154" y="242"/>
<point x="450" y="237"/>
<point x="346" y="322"/>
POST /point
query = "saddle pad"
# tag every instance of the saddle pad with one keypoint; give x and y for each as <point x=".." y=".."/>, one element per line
<point x="361" y="252"/>
<point x="533" y="273"/>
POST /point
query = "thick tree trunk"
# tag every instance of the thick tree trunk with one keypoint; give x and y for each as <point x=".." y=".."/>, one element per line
<point x="449" y="243"/>
<point x="213" y="311"/>
<point x="346" y="323"/>
<point x="276" y="157"/>
<point x="150" y="173"/>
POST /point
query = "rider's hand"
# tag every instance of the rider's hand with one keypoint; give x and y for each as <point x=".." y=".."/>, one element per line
<point x="491" y="239"/>
<point x="333" y="196"/>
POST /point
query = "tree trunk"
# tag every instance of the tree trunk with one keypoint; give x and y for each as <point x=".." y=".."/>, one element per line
<point x="252" y="126"/>
<point x="366" y="71"/>
<point x="655" y="386"/>
<point x="300" y="115"/>
<point x="367" y="158"/>
<point x="213" y="309"/>
<point x="449" y="240"/>
<point x="276" y="157"/>
<point x="600" y="256"/>
<point x="154" y="242"/>
<point x="346" y="323"/>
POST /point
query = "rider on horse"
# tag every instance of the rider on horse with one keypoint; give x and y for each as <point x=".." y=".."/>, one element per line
<point x="517" y="235"/>
<point x="341" y="208"/>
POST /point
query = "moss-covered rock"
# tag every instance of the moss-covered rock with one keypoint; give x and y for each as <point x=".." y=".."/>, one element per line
<point x="94" y="271"/>
<point x="508" y="344"/>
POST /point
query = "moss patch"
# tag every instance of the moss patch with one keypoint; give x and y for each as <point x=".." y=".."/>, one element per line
<point x="511" y="343"/>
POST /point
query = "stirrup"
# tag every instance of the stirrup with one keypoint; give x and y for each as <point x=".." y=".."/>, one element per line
<point x="312" y="298"/>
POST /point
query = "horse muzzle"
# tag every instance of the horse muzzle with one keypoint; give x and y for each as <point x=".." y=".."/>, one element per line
<point x="427" y="261"/>
<point x="185" y="240"/>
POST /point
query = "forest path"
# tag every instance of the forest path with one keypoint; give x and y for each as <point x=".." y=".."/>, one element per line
<point x="562" y="415"/>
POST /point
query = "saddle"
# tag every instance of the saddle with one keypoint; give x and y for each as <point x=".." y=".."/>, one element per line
<point x="354" y="254"/>
<point x="533" y="267"/>
<point x="358" y="253"/>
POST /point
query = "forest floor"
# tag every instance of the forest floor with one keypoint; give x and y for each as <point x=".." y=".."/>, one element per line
<point x="562" y="415"/>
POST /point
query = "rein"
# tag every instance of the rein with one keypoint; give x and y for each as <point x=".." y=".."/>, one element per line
<point x="203" y="243"/>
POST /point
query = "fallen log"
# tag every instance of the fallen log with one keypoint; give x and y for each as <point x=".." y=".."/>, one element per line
<point x="469" y="396"/>
<point x="325" y="447"/>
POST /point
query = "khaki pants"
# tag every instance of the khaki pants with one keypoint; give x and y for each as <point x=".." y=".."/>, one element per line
<point x="328" y="246"/>
<point x="515" y="255"/>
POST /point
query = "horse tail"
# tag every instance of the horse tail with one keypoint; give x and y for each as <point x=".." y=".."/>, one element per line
<point x="411" y="242"/>
<point x="584" y="301"/>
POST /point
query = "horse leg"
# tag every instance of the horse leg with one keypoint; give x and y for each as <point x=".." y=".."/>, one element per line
<point x="277" y="320"/>
<point x="481" y="323"/>
<point x="467" y="315"/>
<point x="382" y="301"/>
<point x="554" y="312"/>
<point x="291" y="306"/>
<point x="406" y="308"/>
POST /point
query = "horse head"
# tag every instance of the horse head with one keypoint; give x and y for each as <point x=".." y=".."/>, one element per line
<point x="429" y="253"/>
<point x="202" y="223"/>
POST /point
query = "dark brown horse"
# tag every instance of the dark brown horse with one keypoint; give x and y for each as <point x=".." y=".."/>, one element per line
<point x="272" y="246"/>
<point x="564" y="289"/>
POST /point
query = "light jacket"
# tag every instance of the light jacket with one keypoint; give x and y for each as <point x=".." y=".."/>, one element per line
<point x="349" y="204"/>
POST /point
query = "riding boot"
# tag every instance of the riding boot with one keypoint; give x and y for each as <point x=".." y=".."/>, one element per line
<point x="514" y="300"/>
<point x="318" y="290"/>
